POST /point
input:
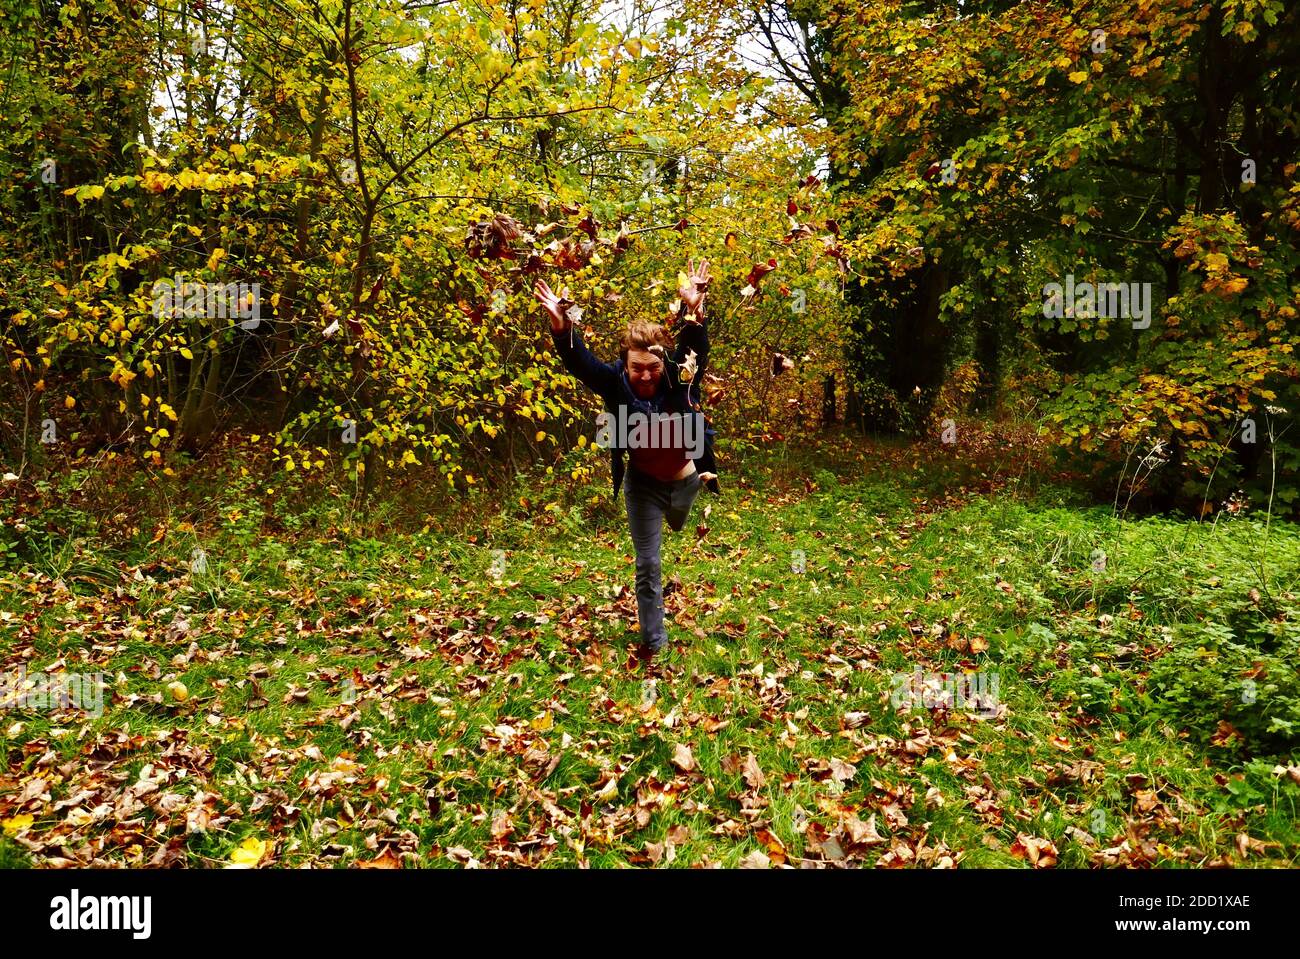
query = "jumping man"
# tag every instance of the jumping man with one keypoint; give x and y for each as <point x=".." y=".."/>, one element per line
<point x="662" y="480"/>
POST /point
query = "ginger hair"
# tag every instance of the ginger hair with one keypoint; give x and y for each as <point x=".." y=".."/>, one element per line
<point x="641" y="335"/>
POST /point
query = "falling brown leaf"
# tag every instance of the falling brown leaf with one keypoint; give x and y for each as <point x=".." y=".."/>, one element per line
<point x="760" y="270"/>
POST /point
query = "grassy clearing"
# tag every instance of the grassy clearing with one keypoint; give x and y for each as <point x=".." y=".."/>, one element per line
<point x="464" y="694"/>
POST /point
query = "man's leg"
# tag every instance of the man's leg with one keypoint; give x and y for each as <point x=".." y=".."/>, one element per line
<point x="646" y="503"/>
<point x="681" y="499"/>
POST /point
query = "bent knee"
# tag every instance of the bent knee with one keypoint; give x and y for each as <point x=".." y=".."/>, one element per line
<point x="648" y="564"/>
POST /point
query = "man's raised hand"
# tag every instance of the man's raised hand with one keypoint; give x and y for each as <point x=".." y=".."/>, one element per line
<point x="555" y="306"/>
<point x="692" y="285"/>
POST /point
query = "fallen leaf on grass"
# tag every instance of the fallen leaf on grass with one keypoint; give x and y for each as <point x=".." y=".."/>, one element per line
<point x="1246" y="845"/>
<point x="248" y="854"/>
<point x="1040" y="853"/>
<point x="682" y="758"/>
<point x="841" y="771"/>
<point x="862" y="833"/>
<point x="386" y="860"/>
<point x="501" y="825"/>
<point x="752" y="773"/>
<point x="17" y="824"/>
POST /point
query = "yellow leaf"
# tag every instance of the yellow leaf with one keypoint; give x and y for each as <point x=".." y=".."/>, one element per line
<point x="1078" y="76"/>
<point x="69" y="401"/>
<point x="16" y="824"/>
<point x="215" y="258"/>
<point x="543" y="722"/>
<point x="185" y="352"/>
<point x="248" y="854"/>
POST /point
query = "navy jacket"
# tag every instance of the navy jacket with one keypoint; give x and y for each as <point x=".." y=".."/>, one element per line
<point x="609" y="381"/>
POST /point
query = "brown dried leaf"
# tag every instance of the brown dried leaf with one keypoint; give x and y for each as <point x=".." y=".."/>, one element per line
<point x="682" y="757"/>
<point x="752" y="773"/>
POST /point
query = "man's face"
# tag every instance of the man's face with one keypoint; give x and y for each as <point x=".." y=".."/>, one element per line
<point x="644" y="371"/>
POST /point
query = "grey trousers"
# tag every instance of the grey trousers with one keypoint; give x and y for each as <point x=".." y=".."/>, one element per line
<point x="650" y="502"/>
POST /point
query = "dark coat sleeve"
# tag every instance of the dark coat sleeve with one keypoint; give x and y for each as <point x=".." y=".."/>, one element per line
<point x="695" y="336"/>
<point x="598" y="376"/>
<point x="692" y="336"/>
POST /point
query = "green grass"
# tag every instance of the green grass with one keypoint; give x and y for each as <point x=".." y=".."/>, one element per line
<point x="354" y="691"/>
